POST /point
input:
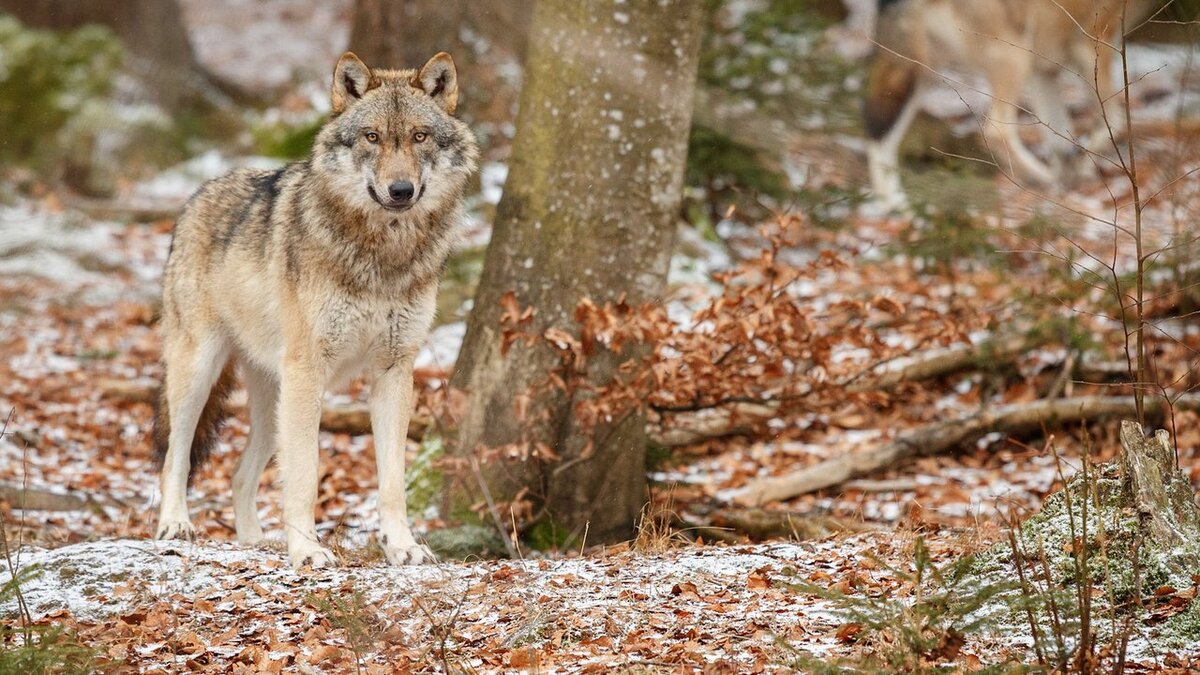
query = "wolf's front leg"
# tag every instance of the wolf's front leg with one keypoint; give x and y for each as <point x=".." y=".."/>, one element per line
<point x="391" y="407"/>
<point x="300" y="387"/>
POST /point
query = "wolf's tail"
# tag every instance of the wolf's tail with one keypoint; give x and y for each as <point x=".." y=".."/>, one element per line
<point x="892" y="82"/>
<point x="212" y="417"/>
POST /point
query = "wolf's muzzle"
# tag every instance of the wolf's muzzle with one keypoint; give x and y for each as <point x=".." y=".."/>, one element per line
<point x="394" y="203"/>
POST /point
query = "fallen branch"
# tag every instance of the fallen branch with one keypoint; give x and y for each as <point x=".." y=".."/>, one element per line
<point x="352" y="418"/>
<point x="740" y="418"/>
<point x="34" y="499"/>
<point x="702" y="425"/>
<point x="134" y="211"/>
<point x="940" y="362"/>
<point x="936" y="438"/>
<point x="761" y="524"/>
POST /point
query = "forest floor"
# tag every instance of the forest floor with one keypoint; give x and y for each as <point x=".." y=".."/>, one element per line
<point x="79" y="355"/>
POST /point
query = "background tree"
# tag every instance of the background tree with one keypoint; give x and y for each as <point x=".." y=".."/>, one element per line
<point x="589" y="211"/>
<point x="405" y="33"/>
<point x="485" y="37"/>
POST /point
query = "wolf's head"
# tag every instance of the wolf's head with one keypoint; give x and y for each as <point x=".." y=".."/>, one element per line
<point x="393" y="144"/>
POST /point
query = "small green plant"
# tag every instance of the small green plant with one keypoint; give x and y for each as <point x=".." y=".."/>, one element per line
<point x="724" y="168"/>
<point x="359" y="621"/>
<point x="920" y="634"/>
<point x="26" y="647"/>
<point x="948" y="241"/>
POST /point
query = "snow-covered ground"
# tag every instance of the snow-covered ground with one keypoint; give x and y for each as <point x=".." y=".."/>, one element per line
<point x="729" y="607"/>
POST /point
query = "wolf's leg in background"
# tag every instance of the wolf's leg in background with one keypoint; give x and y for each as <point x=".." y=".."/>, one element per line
<point x="1045" y="91"/>
<point x="1008" y="72"/>
<point x="891" y="103"/>
<point x="192" y="365"/>
<point x="883" y="159"/>
<point x="391" y="408"/>
<point x="262" y="388"/>
<point x="301" y="384"/>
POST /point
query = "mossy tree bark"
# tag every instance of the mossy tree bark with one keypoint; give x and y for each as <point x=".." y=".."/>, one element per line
<point x="588" y="211"/>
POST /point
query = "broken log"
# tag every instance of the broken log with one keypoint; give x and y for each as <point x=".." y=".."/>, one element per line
<point x="936" y="438"/>
<point x="135" y="211"/>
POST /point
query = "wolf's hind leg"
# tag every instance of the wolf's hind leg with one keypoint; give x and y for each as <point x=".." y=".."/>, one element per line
<point x="1045" y="93"/>
<point x="263" y="391"/>
<point x="892" y="100"/>
<point x="1008" y="77"/>
<point x="192" y="366"/>
<point x="883" y="159"/>
<point x="391" y="407"/>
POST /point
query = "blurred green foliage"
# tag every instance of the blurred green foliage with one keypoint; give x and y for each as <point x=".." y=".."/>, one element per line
<point x="287" y="140"/>
<point x="947" y="241"/>
<point x="764" y="73"/>
<point x="771" y="53"/>
<point x="46" y="79"/>
<point x="720" y="165"/>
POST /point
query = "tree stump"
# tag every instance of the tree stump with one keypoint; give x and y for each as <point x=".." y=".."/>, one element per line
<point x="1117" y="549"/>
<point x="1160" y="493"/>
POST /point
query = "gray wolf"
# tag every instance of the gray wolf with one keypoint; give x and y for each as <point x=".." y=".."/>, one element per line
<point x="1021" y="47"/>
<point x="303" y="277"/>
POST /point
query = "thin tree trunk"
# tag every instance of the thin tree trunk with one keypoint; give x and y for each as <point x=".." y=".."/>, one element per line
<point x="588" y="212"/>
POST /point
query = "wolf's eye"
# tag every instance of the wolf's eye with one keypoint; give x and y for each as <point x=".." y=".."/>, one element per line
<point x="420" y="137"/>
<point x="372" y="137"/>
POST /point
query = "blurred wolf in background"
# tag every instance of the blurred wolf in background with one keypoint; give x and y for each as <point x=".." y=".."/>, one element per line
<point x="1020" y="46"/>
<point x="306" y="276"/>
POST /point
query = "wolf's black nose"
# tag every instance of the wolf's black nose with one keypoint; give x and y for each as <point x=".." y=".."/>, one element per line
<point x="401" y="191"/>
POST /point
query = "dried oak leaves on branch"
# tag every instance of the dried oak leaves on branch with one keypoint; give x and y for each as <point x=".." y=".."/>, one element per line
<point x="770" y="343"/>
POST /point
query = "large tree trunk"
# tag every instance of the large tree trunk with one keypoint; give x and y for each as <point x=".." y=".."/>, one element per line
<point x="153" y="34"/>
<point x="588" y="212"/>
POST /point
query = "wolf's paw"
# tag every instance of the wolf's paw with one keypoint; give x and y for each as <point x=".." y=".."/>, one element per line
<point x="180" y="529"/>
<point x="312" y="557"/>
<point x="410" y="554"/>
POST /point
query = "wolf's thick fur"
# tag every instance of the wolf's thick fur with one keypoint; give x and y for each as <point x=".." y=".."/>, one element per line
<point x="1022" y="47"/>
<point x="305" y="276"/>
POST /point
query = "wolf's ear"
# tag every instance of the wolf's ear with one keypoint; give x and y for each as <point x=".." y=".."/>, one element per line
<point x="351" y="79"/>
<point x="439" y="79"/>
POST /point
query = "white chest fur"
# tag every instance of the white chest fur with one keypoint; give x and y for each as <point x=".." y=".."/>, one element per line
<point x="352" y="333"/>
